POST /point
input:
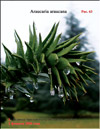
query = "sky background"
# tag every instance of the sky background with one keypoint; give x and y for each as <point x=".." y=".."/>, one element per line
<point x="15" y="15"/>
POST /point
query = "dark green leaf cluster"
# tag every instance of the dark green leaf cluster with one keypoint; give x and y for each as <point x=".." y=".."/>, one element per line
<point x="46" y="61"/>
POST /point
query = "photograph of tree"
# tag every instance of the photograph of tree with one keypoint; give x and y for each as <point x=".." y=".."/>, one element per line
<point x="49" y="64"/>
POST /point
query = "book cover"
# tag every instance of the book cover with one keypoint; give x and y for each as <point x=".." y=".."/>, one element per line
<point x="50" y="64"/>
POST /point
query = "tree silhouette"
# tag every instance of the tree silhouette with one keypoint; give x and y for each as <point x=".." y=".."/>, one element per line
<point x="73" y="28"/>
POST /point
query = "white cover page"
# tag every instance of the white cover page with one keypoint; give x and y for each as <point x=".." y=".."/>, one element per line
<point x="38" y="105"/>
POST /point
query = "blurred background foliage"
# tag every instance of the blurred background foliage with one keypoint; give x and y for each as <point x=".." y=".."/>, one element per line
<point x="46" y="103"/>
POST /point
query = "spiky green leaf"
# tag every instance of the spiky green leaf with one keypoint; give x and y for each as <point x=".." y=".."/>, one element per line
<point x="48" y="36"/>
<point x="20" y="50"/>
<point x="53" y="45"/>
<point x="66" y="50"/>
<point x="50" y="41"/>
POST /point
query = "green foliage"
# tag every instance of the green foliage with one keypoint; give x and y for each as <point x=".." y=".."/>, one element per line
<point x="72" y="29"/>
<point x="20" y="50"/>
<point x="21" y="104"/>
<point x="3" y="117"/>
<point x="50" y="58"/>
<point x="89" y="101"/>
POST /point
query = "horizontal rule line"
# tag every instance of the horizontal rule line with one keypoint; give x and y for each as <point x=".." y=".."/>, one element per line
<point x="49" y="0"/>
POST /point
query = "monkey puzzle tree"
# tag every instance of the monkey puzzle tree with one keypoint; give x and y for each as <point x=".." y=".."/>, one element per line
<point x="46" y="61"/>
<point x="91" y="100"/>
